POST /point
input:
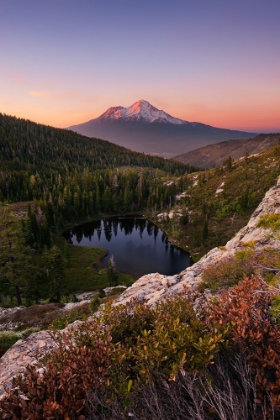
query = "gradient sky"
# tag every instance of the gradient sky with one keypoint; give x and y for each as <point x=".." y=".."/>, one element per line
<point x="64" y="62"/>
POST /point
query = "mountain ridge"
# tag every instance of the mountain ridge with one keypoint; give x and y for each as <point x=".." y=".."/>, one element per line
<point x="214" y="154"/>
<point x="144" y="128"/>
<point x="140" y="111"/>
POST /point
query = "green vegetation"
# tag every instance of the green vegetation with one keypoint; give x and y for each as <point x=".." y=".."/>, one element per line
<point x="71" y="177"/>
<point x="8" y="338"/>
<point x="270" y="221"/>
<point x="275" y="308"/>
<point x="53" y="178"/>
<point x="77" y="314"/>
<point x="247" y="262"/>
<point x="218" y="202"/>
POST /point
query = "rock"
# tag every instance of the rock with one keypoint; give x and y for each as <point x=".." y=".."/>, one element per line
<point x="22" y="353"/>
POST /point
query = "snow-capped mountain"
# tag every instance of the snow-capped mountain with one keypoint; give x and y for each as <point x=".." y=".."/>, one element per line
<point x="140" y="111"/>
<point x="144" y="128"/>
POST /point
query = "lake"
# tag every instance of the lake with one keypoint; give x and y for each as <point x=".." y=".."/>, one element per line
<point x="139" y="247"/>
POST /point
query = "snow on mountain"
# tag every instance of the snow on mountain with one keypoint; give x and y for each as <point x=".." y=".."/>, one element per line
<point x="143" y="128"/>
<point x="140" y="111"/>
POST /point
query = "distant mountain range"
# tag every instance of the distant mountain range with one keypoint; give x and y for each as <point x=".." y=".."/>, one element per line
<point x="215" y="154"/>
<point x="144" y="128"/>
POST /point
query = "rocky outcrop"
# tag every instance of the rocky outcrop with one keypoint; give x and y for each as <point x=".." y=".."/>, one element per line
<point x="151" y="288"/>
<point x="22" y="353"/>
<point x="30" y="350"/>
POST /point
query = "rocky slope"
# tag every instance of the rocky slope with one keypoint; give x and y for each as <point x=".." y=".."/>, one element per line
<point x="151" y="288"/>
<point x="215" y="154"/>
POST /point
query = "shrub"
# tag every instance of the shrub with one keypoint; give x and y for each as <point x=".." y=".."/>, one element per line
<point x="270" y="221"/>
<point x="228" y="272"/>
<point x="246" y="307"/>
<point x="60" y="392"/>
<point x="8" y="338"/>
<point x="80" y="313"/>
<point x="275" y="308"/>
<point x="163" y="362"/>
<point x="247" y="261"/>
<point x="94" y="303"/>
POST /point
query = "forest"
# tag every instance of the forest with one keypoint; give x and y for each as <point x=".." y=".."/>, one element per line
<point x="52" y="178"/>
<point x="72" y="176"/>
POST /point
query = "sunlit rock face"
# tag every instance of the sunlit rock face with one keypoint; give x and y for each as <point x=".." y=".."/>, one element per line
<point x="140" y="111"/>
<point x="149" y="289"/>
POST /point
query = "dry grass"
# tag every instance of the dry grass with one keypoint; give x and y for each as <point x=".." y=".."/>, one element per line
<point x="40" y="316"/>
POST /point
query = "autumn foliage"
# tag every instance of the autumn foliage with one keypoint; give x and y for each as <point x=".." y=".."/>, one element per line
<point x="246" y="310"/>
<point x="221" y="361"/>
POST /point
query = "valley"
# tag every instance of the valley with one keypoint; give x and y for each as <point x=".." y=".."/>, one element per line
<point x="51" y="179"/>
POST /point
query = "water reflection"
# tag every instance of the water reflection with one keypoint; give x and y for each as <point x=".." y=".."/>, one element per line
<point x="139" y="247"/>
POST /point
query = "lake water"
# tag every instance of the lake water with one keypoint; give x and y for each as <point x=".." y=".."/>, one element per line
<point x="138" y="246"/>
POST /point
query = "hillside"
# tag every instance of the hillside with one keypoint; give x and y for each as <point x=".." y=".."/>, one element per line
<point x="204" y="343"/>
<point x="216" y="203"/>
<point x="73" y="176"/>
<point x="215" y="154"/>
<point x="251" y="240"/>
<point x="144" y="128"/>
<point x="29" y="146"/>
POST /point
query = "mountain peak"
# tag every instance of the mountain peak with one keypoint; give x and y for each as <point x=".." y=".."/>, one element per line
<point x="141" y="111"/>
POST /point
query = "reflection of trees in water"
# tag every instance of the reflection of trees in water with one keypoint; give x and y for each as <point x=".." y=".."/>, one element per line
<point x="98" y="228"/>
<point x="170" y="258"/>
<point x="155" y="233"/>
<point x="164" y="240"/>
<point x="141" y="225"/>
<point x="150" y="228"/>
<point x="107" y="225"/>
<point x="79" y="235"/>
<point x="68" y="236"/>
<point x="127" y="225"/>
<point x="115" y="226"/>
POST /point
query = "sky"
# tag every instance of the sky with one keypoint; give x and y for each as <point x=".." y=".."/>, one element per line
<point x="64" y="62"/>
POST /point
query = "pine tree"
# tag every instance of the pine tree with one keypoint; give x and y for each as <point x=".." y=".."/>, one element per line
<point x="55" y="273"/>
<point x="14" y="255"/>
<point x="112" y="272"/>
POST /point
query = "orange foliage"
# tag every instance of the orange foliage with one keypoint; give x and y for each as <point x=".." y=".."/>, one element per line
<point x="61" y="392"/>
<point x="246" y="308"/>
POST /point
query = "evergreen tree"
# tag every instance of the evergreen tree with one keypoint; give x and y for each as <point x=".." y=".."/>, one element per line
<point x="205" y="229"/>
<point x="14" y="255"/>
<point x="55" y="273"/>
<point x="112" y="272"/>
